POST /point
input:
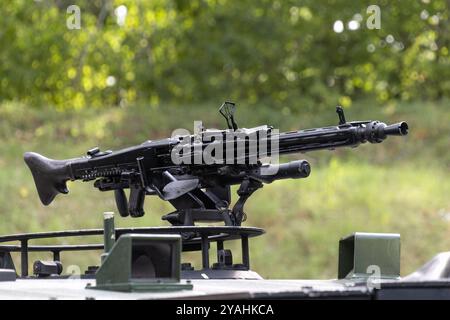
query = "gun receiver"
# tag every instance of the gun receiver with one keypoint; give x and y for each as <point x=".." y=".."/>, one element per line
<point x="200" y="191"/>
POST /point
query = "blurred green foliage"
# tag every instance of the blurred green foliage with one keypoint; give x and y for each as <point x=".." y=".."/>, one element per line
<point x="285" y="53"/>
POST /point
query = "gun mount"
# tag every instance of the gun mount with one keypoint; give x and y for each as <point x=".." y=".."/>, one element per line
<point x="195" y="172"/>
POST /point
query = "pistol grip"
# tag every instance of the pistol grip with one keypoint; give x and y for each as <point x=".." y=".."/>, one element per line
<point x="136" y="202"/>
<point x="121" y="202"/>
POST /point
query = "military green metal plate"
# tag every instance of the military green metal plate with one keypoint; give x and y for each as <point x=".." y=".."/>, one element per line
<point x="362" y="255"/>
<point x="139" y="262"/>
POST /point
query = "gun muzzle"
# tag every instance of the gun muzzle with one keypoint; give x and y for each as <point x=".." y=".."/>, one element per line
<point x="396" y="129"/>
<point x="376" y="132"/>
<point x="50" y="176"/>
<point x="291" y="170"/>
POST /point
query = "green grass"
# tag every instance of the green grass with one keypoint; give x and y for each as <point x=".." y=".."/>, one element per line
<point x="399" y="186"/>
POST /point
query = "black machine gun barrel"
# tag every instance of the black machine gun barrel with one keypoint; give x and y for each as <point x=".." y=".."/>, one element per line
<point x="201" y="186"/>
<point x="347" y="135"/>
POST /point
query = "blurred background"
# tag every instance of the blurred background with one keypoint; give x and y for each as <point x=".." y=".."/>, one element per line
<point x="116" y="73"/>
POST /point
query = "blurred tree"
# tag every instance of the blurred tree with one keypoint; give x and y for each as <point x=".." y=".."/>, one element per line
<point x="290" y="54"/>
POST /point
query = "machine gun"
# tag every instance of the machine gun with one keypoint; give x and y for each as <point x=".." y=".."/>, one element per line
<point x="176" y="169"/>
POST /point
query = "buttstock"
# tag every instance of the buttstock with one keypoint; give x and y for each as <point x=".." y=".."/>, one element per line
<point x="50" y="176"/>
